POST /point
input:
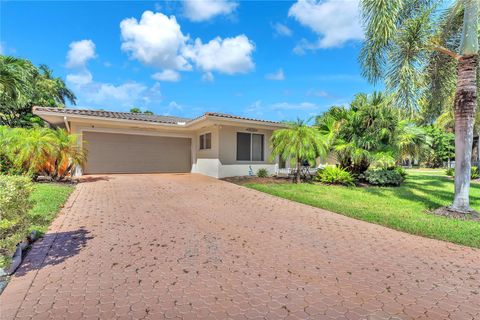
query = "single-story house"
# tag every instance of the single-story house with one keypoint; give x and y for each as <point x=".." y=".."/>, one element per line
<point x="215" y="144"/>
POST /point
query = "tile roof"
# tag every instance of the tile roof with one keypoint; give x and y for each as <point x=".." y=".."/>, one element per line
<point x="141" y="116"/>
<point x="115" y="115"/>
<point x="225" y="115"/>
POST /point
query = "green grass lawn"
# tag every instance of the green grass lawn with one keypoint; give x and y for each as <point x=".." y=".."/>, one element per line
<point x="402" y="208"/>
<point x="48" y="199"/>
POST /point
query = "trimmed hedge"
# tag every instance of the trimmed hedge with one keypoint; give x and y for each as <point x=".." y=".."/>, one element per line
<point x="15" y="203"/>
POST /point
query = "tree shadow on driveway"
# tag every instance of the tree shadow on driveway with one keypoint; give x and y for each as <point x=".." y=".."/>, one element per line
<point x="53" y="249"/>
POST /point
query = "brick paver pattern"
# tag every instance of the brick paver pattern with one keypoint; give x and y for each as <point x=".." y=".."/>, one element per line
<point x="185" y="246"/>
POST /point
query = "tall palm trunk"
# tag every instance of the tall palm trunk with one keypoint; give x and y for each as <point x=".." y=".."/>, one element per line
<point x="465" y="105"/>
<point x="465" y="108"/>
<point x="299" y="167"/>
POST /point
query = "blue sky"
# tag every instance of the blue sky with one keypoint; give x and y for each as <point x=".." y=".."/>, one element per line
<point x="275" y="60"/>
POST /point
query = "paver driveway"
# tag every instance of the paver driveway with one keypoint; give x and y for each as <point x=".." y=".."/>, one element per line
<point x="192" y="247"/>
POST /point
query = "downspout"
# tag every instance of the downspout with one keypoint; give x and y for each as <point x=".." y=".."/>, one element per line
<point x="66" y="124"/>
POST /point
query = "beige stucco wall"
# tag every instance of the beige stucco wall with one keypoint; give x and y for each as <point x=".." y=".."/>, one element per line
<point x="208" y="153"/>
<point x="228" y="145"/>
<point x="218" y="161"/>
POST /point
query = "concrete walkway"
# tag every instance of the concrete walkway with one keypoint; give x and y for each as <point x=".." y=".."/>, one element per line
<point x="191" y="247"/>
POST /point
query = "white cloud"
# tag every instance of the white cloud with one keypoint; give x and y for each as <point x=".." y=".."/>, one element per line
<point x="155" y="40"/>
<point x="208" y="77"/>
<point x="229" y="55"/>
<point x="80" y="78"/>
<point x="79" y="53"/>
<point x="335" y="21"/>
<point x="282" y="110"/>
<point x="103" y="94"/>
<point x="282" y="30"/>
<point x="317" y="93"/>
<point x="279" y="75"/>
<point x="202" y="10"/>
<point x="167" y="75"/>
<point x="255" y="108"/>
<point x="124" y="95"/>
<point x="173" y="108"/>
<point x="294" y="106"/>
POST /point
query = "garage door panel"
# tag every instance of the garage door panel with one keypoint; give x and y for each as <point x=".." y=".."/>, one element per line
<point x="128" y="153"/>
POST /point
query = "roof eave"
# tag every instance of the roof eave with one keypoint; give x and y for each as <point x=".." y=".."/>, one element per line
<point x="76" y="116"/>
<point x="189" y="124"/>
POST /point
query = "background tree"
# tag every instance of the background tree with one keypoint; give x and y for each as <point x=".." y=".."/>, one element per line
<point x="370" y="131"/>
<point x="22" y="86"/>
<point x="405" y="39"/>
<point x="298" y="142"/>
<point x="441" y="147"/>
<point x="137" y="110"/>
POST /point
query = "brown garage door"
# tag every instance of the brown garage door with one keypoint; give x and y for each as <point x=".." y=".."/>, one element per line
<point x="131" y="153"/>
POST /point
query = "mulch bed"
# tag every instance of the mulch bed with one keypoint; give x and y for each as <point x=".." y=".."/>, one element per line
<point x="449" y="213"/>
<point x="246" y="179"/>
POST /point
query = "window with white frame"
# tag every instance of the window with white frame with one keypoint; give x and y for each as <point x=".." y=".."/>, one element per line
<point x="205" y="141"/>
<point x="250" y="146"/>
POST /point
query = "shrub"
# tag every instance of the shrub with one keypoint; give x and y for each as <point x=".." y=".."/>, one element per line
<point x="15" y="203"/>
<point x="383" y="160"/>
<point x="474" y="173"/>
<point x="262" y="173"/>
<point x="384" y="177"/>
<point x="335" y="175"/>
<point x="450" y="172"/>
<point x="401" y="171"/>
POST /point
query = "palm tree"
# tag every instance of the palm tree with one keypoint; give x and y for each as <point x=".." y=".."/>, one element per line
<point x="404" y="38"/>
<point x="410" y="141"/>
<point x="30" y="149"/>
<point x="66" y="156"/>
<point x="15" y="87"/>
<point x="22" y="85"/>
<point x="50" y="91"/>
<point x="369" y="132"/>
<point x="298" y="142"/>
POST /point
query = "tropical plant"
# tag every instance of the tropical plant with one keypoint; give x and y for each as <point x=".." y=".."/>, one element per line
<point x="67" y="155"/>
<point x="410" y="140"/>
<point x="22" y="85"/>
<point x="298" y="142"/>
<point x="335" y="175"/>
<point x="474" y="172"/>
<point x="370" y="132"/>
<point x="404" y="38"/>
<point x="450" y="172"/>
<point x="384" y="177"/>
<point x="30" y="149"/>
<point x="441" y="147"/>
<point x="39" y="151"/>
